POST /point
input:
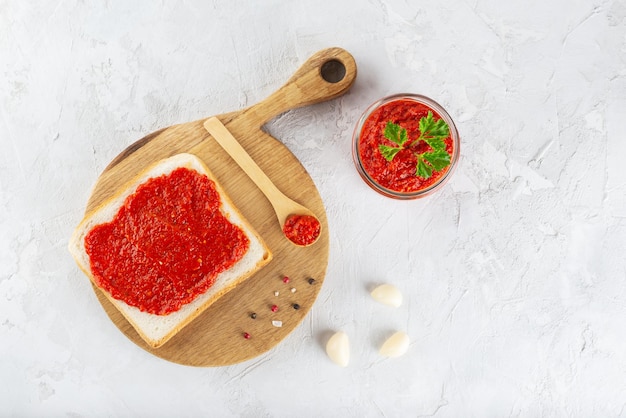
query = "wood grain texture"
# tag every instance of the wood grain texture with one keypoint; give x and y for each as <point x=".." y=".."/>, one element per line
<point x="215" y="338"/>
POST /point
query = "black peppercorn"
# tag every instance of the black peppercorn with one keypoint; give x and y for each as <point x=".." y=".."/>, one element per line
<point x="253" y="315"/>
<point x="311" y="280"/>
<point x="296" y="306"/>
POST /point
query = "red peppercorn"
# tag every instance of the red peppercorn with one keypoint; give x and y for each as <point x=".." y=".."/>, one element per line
<point x="285" y="279"/>
<point x="246" y="335"/>
<point x="274" y="308"/>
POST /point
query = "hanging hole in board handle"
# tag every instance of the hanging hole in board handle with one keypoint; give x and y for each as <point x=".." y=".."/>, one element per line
<point x="333" y="71"/>
<point x="325" y="75"/>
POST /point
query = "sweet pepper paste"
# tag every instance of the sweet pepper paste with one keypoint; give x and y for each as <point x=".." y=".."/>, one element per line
<point x="400" y="173"/>
<point x="302" y="229"/>
<point x="166" y="244"/>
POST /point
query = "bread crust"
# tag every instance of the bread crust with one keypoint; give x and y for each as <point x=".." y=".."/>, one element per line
<point x="156" y="330"/>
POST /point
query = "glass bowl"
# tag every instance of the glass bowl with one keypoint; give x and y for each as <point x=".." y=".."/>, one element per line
<point x="368" y="164"/>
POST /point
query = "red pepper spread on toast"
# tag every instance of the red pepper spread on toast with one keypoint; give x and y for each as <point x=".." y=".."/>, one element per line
<point x="167" y="243"/>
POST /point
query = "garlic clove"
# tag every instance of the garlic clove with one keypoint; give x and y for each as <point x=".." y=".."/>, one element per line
<point x="338" y="348"/>
<point x="387" y="294"/>
<point x="396" y="345"/>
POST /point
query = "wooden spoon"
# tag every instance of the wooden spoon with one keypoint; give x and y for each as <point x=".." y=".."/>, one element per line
<point x="283" y="206"/>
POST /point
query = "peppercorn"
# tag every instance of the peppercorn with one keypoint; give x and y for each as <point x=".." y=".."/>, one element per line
<point x="296" y="306"/>
<point x="253" y="315"/>
<point x="311" y="280"/>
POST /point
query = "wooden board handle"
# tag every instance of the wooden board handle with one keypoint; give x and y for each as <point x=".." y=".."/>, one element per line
<point x="327" y="74"/>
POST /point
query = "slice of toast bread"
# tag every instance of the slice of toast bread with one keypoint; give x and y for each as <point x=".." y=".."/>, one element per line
<point x="158" y="329"/>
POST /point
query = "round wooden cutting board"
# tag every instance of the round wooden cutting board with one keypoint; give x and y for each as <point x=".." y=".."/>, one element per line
<point x="216" y="337"/>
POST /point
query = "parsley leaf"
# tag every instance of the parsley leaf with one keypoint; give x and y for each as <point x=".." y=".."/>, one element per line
<point x="433" y="132"/>
<point x="438" y="144"/>
<point x="395" y="133"/>
<point x="388" y="152"/>
<point x="434" y="128"/>
<point x="423" y="170"/>
<point x="439" y="159"/>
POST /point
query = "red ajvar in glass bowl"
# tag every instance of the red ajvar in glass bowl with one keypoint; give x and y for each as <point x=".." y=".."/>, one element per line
<point x="399" y="177"/>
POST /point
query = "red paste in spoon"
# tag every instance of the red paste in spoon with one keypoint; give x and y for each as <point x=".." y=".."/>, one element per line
<point x="302" y="229"/>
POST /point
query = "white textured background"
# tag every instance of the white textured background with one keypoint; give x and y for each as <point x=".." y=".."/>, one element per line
<point x="514" y="275"/>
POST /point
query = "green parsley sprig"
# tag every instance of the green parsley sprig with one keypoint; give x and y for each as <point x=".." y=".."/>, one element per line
<point x="433" y="132"/>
